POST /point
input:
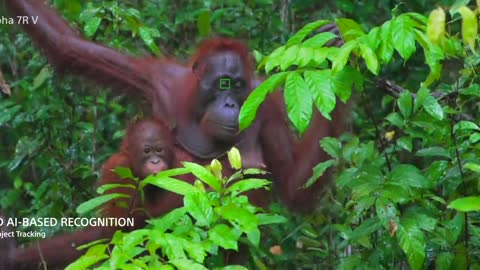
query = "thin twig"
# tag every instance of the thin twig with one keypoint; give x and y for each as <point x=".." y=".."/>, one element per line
<point x="377" y="131"/>
<point x="466" y="234"/>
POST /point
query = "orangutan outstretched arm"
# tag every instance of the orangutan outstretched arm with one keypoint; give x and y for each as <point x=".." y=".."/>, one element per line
<point x="68" y="52"/>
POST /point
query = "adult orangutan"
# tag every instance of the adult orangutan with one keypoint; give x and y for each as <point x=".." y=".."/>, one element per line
<point x="202" y="114"/>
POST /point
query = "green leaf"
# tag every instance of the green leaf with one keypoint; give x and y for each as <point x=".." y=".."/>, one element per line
<point x="223" y="236"/>
<point x="250" y="106"/>
<point x="422" y="95"/>
<point x="25" y="147"/>
<point x="289" y="57"/>
<point x="168" y="220"/>
<point x="199" y="207"/>
<point x="433" y="151"/>
<point x="408" y="175"/>
<point x="342" y="82"/>
<point x="204" y="175"/>
<point x="304" y="56"/>
<point x="474" y="167"/>
<point x="332" y="146"/>
<point x="318" y="171"/>
<point x="366" y="228"/>
<point x="474" y="138"/>
<point x="254" y="237"/>
<point x="343" y="55"/>
<point x="299" y="101"/>
<point x="444" y="261"/>
<point x="103" y="188"/>
<point x="273" y="60"/>
<point x="349" y="29"/>
<point x="203" y="23"/>
<point x="412" y="242"/>
<point x="456" y="5"/>
<point x="471" y="90"/>
<point x="92" y="257"/>
<point x="403" y="36"/>
<point x="405" y="103"/>
<point x="405" y="143"/>
<point x="44" y="74"/>
<point x="465" y="126"/>
<point x="240" y="216"/>
<point x="186" y="264"/>
<point x="320" y="88"/>
<point x="170" y="184"/>
<point x="124" y="173"/>
<point x="232" y="267"/>
<point x="195" y="250"/>
<point x="98" y="201"/>
<point x="298" y="37"/>
<point x="147" y="37"/>
<point x="386" y="46"/>
<point x="216" y="168"/>
<point x="433" y="108"/>
<point x="433" y="55"/>
<point x="370" y="58"/>
<point x="319" y="56"/>
<point x="466" y="204"/>
<point x="436" y="25"/>
<point x="373" y="38"/>
<point x="248" y="184"/>
<point x="265" y="219"/>
<point x="91" y="26"/>
<point x="319" y="40"/>
<point x="469" y="26"/>
<point x="234" y="158"/>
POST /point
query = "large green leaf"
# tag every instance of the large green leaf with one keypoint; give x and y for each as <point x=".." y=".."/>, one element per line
<point x="199" y="207"/>
<point x="343" y="55"/>
<point x="299" y="101"/>
<point x="319" y="40"/>
<point x="248" y="184"/>
<point x="469" y="26"/>
<point x="405" y="103"/>
<point x="412" y="242"/>
<point x="433" y="108"/>
<point x="240" y="216"/>
<point x="403" y="36"/>
<point x="289" y="57"/>
<point x="386" y="46"/>
<point x="98" y="201"/>
<point x="436" y="25"/>
<point x="204" y="175"/>
<point x="298" y="37"/>
<point x="255" y="99"/>
<point x="408" y="175"/>
<point x="319" y="84"/>
<point x="466" y="204"/>
<point x="349" y="29"/>
<point x="168" y="220"/>
<point x="343" y="81"/>
<point x="91" y="26"/>
<point x="170" y="184"/>
<point x="318" y="171"/>
<point x="370" y="58"/>
<point x="223" y="236"/>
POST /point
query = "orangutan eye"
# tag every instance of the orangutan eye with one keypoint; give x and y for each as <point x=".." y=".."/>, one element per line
<point x="146" y="150"/>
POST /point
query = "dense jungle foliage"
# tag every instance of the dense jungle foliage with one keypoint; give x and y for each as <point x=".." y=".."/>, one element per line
<point x="406" y="185"/>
